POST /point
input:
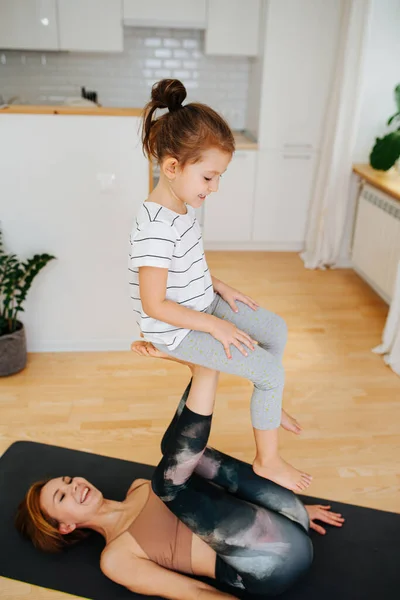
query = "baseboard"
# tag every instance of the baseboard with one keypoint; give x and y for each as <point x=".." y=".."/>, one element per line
<point x="375" y="287"/>
<point x="255" y="246"/>
<point x="81" y="345"/>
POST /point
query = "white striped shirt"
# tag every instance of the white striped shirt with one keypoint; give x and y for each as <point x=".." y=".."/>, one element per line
<point x="163" y="238"/>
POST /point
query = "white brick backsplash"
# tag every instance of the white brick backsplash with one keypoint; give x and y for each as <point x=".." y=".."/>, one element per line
<point x="162" y="73"/>
<point x="153" y="62"/>
<point x="182" y="75"/>
<point x="181" y="54"/>
<point x="163" y="53"/>
<point x="190" y="43"/>
<point x="152" y="42"/>
<point x="125" y="79"/>
<point x="171" y="43"/>
<point x="173" y="64"/>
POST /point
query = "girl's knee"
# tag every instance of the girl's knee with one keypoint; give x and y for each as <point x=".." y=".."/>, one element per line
<point x="272" y="375"/>
<point x="274" y="324"/>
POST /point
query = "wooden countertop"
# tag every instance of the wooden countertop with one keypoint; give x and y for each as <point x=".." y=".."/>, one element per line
<point x="62" y="109"/>
<point x="242" y="139"/>
<point x="387" y="181"/>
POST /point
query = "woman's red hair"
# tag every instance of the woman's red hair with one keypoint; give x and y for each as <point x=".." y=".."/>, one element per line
<point x="33" y="523"/>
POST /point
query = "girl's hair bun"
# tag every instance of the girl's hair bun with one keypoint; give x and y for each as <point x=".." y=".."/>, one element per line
<point x="168" y="93"/>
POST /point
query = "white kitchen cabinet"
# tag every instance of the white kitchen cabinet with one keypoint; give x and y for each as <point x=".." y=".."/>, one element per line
<point x="158" y="13"/>
<point x="300" y="46"/>
<point x="73" y="185"/>
<point x="28" y="24"/>
<point x="228" y="212"/>
<point x="232" y="27"/>
<point x="283" y="191"/>
<point x="90" y="25"/>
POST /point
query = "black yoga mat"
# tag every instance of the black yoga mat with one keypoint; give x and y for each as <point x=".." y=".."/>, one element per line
<point x="360" y="561"/>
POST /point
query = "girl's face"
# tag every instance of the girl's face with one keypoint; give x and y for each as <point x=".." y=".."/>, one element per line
<point x="70" y="500"/>
<point x="195" y="182"/>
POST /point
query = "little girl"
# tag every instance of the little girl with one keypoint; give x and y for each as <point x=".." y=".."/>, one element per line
<point x="181" y="308"/>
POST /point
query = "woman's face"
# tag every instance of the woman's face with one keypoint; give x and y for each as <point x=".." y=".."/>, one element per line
<point x="70" y="500"/>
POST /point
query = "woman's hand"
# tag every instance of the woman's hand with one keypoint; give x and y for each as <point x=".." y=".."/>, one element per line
<point x="229" y="294"/>
<point x="227" y="333"/>
<point x="317" y="511"/>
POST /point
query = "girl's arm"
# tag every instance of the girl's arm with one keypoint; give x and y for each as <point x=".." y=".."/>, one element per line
<point x="216" y="283"/>
<point x="153" y="287"/>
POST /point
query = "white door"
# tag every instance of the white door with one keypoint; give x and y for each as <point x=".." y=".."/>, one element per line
<point x="159" y="13"/>
<point x="228" y="212"/>
<point x="283" y="191"/>
<point x="28" y="24"/>
<point x="299" y="57"/>
<point x="90" y="25"/>
<point x="232" y="27"/>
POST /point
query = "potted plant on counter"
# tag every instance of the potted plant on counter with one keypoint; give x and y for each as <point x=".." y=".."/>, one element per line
<point x="15" y="280"/>
<point x="386" y="151"/>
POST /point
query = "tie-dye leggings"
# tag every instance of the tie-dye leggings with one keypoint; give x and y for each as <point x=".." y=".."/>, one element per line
<point x="258" y="529"/>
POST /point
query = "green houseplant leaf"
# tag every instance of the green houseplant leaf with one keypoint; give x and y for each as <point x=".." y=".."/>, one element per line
<point x="386" y="151"/>
<point x="397" y="96"/>
<point x="393" y="118"/>
<point x="16" y="278"/>
<point x="396" y="116"/>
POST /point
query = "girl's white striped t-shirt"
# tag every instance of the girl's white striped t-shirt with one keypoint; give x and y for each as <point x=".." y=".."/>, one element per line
<point x="163" y="238"/>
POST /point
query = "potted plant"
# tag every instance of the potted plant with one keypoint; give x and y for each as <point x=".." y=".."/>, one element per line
<point x="15" y="280"/>
<point x="386" y="151"/>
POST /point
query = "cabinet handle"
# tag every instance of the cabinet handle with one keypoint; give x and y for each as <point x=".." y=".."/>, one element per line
<point x="298" y="156"/>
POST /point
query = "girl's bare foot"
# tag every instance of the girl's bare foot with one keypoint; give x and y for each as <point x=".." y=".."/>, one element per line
<point x="279" y="471"/>
<point x="290" y="423"/>
<point x="147" y="349"/>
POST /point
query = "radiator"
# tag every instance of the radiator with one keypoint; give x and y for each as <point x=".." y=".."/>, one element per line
<point x="376" y="241"/>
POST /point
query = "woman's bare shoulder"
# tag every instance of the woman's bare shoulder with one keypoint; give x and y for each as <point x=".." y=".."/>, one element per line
<point x="135" y="484"/>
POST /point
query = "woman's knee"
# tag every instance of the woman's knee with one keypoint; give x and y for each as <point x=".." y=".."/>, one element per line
<point x="280" y="572"/>
<point x="296" y="511"/>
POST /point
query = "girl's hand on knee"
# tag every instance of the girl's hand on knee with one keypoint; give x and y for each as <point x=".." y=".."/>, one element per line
<point x="230" y="295"/>
<point x="227" y="333"/>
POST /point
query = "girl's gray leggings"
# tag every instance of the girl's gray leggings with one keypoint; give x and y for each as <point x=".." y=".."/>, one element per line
<point x="262" y="366"/>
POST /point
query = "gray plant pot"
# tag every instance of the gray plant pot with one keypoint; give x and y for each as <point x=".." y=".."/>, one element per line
<point x="13" y="354"/>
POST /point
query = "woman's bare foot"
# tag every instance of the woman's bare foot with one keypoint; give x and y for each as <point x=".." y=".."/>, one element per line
<point x="290" y="423"/>
<point x="279" y="471"/>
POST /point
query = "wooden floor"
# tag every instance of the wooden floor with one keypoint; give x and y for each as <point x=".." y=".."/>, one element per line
<point x="347" y="400"/>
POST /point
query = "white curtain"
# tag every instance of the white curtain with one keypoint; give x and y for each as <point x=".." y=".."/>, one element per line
<point x="390" y="346"/>
<point x="329" y="204"/>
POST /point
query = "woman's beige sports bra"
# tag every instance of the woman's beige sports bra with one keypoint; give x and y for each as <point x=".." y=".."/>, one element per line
<point x="163" y="537"/>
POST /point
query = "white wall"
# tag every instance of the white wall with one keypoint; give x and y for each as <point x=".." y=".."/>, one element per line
<point x="381" y="75"/>
<point x="71" y="186"/>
